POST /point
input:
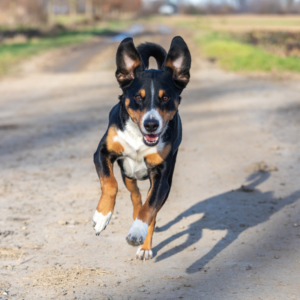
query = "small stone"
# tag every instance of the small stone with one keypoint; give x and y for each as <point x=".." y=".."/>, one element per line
<point x="248" y="268"/>
<point x="187" y="285"/>
<point x="62" y="222"/>
<point x="276" y="256"/>
<point x="295" y="225"/>
<point x="24" y="228"/>
<point x="192" y="248"/>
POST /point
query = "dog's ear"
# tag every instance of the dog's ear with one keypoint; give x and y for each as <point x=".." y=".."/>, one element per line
<point x="178" y="61"/>
<point x="128" y="62"/>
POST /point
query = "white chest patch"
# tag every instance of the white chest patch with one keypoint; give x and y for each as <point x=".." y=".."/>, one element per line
<point x="135" y="150"/>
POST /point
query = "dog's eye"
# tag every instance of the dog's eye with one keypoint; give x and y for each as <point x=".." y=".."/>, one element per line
<point x="138" y="98"/>
<point x="165" y="98"/>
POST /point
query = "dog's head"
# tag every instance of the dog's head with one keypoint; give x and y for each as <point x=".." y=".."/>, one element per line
<point x="152" y="97"/>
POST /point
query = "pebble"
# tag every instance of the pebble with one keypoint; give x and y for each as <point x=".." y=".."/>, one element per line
<point x="276" y="257"/>
<point x="62" y="222"/>
<point x="295" y="225"/>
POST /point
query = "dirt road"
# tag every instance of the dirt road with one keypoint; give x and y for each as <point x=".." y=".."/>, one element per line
<point x="214" y="239"/>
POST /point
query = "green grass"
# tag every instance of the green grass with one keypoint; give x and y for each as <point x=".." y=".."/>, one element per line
<point x="11" y="54"/>
<point x="236" y="56"/>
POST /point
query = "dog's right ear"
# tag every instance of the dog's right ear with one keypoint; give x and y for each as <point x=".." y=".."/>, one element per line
<point x="128" y="62"/>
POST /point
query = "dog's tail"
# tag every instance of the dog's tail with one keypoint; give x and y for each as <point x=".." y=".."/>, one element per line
<point x="147" y="50"/>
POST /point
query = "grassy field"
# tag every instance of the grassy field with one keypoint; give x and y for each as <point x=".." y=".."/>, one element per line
<point x="236" y="56"/>
<point x="11" y="54"/>
<point x="217" y="38"/>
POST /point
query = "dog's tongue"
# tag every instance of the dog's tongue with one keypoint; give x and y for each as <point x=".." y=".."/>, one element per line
<point x="151" y="137"/>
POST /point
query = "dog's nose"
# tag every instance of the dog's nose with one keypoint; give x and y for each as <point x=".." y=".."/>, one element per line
<point x="151" y="125"/>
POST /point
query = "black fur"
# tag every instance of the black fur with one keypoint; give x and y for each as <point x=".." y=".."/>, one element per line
<point x="147" y="50"/>
<point x="133" y="76"/>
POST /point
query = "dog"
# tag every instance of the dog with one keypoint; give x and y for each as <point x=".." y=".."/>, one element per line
<point x="143" y="135"/>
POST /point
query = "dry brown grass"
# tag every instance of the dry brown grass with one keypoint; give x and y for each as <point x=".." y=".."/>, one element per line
<point x="239" y="22"/>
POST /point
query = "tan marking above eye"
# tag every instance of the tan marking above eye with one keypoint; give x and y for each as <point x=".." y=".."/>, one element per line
<point x="142" y="93"/>
<point x="127" y="101"/>
<point x="161" y="93"/>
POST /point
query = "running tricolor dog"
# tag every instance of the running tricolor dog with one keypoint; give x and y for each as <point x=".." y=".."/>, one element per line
<point x="143" y="135"/>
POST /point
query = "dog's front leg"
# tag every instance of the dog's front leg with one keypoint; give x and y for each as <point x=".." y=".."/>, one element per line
<point x="109" y="188"/>
<point x="145" y="221"/>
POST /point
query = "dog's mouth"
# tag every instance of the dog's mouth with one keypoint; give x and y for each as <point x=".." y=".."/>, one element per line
<point x="151" y="139"/>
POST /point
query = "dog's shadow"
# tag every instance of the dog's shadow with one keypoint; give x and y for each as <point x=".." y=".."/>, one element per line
<point x="235" y="211"/>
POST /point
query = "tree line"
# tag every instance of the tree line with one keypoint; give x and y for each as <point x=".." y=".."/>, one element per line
<point x="43" y="11"/>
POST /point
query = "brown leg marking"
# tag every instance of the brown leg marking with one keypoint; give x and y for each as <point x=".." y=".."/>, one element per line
<point x="131" y="185"/>
<point x="144" y="251"/>
<point x="109" y="188"/>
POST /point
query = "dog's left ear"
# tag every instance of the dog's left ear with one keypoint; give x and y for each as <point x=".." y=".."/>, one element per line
<point x="179" y="62"/>
<point x="128" y="62"/>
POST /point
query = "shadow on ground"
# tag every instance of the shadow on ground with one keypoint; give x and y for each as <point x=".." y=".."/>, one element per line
<point x="233" y="211"/>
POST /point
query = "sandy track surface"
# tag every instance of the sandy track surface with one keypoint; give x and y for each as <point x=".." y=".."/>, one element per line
<point x="214" y="239"/>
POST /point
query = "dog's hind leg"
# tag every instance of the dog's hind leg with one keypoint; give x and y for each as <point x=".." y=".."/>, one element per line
<point x="136" y="198"/>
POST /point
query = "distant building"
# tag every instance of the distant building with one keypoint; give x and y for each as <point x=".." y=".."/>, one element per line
<point x="168" y="9"/>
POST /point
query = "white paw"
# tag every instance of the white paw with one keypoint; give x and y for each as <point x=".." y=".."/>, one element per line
<point x="143" y="254"/>
<point x="137" y="233"/>
<point x="100" y="221"/>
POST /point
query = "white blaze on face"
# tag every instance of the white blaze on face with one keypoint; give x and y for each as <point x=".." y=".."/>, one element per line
<point x="152" y="94"/>
<point x="152" y="114"/>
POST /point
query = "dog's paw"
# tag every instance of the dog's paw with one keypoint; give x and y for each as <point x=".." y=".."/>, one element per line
<point x="137" y="233"/>
<point x="100" y="221"/>
<point x="143" y="254"/>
